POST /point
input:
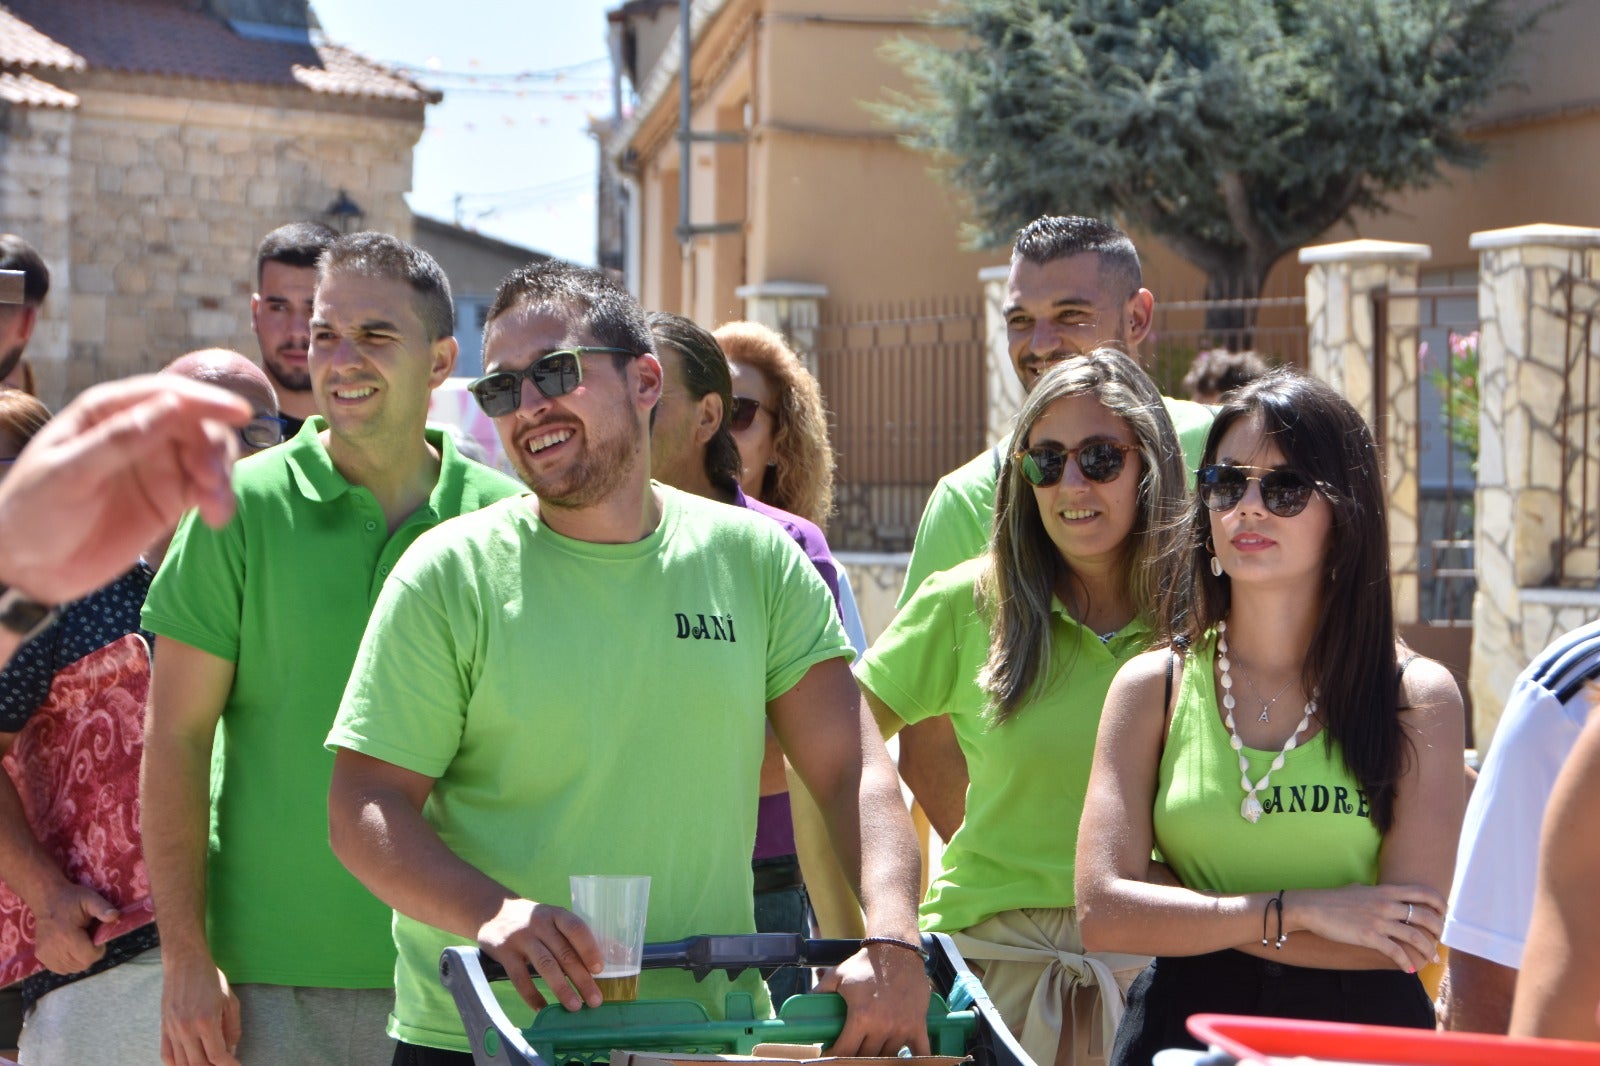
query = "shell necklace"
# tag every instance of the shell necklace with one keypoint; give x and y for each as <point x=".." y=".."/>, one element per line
<point x="1250" y="810"/>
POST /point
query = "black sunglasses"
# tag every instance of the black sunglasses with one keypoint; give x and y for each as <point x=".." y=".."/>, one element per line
<point x="553" y="375"/>
<point x="1101" y="462"/>
<point x="264" y="431"/>
<point x="744" y="411"/>
<point x="1283" y="492"/>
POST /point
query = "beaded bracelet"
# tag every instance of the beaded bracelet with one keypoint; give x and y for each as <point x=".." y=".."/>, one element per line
<point x="897" y="942"/>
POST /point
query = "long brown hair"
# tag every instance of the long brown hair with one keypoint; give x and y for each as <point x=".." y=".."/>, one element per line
<point x="1019" y="578"/>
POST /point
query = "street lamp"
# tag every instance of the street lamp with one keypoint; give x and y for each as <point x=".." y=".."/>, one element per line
<point x="344" y="214"/>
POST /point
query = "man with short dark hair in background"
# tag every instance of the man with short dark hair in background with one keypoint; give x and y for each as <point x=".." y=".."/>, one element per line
<point x="280" y="313"/>
<point x="1075" y="284"/>
<point x="258" y="624"/>
<point x="17" y="320"/>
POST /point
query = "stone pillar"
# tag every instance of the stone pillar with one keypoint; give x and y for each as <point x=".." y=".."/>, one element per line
<point x="1001" y="388"/>
<point x="1340" y="314"/>
<point x="790" y="307"/>
<point x="1538" y="296"/>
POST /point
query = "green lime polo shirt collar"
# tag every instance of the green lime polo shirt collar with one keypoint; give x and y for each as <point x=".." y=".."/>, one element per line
<point x="1139" y="629"/>
<point x="320" y="481"/>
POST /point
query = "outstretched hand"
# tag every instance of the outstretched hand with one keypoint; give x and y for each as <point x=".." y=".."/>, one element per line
<point x="110" y="474"/>
<point x="885" y="990"/>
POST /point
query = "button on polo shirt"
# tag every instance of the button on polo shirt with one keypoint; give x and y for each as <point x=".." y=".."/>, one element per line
<point x="284" y="591"/>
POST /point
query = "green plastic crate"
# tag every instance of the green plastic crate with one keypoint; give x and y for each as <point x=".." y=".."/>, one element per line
<point x="682" y="1027"/>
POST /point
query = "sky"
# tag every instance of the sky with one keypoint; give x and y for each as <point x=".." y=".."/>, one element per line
<point x="521" y="79"/>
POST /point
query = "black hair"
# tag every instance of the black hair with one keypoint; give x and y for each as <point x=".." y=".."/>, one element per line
<point x="379" y="255"/>
<point x="1351" y="664"/>
<point x="298" y="244"/>
<point x="18" y="254"/>
<point x="607" y="312"/>
<point x="1052" y="237"/>
<point x="705" y="370"/>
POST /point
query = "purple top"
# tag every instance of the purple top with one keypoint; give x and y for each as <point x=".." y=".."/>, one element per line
<point x="774" y="828"/>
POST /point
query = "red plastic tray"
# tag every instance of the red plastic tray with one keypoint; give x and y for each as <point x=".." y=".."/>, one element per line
<point x="1255" y="1039"/>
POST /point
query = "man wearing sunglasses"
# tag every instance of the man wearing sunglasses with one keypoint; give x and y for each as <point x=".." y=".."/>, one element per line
<point x="579" y="681"/>
<point x="1075" y="284"/>
<point x="258" y="625"/>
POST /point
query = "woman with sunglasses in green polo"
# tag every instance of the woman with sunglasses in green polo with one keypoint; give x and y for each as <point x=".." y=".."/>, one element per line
<point x="1018" y="647"/>
<point x="1298" y="771"/>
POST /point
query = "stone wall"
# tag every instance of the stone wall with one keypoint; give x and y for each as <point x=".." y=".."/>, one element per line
<point x="169" y="196"/>
<point x="35" y="204"/>
<point x="1345" y="350"/>
<point x="1538" y="298"/>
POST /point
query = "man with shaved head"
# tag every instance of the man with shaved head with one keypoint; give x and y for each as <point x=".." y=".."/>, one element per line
<point x="91" y="997"/>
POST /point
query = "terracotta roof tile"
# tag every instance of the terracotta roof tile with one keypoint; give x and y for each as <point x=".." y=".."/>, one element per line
<point x="25" y="46"/>
<point x="169" y="37"/>
<point x="348" y="73"/>
<point x="28" y="91"/>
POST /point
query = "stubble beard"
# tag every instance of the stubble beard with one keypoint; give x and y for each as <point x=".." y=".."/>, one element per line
<point x="289" y="381"/>
<point x="597" y="473"/>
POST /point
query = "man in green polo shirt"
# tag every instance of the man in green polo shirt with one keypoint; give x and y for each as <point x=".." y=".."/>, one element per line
<point x="258" y="624"/>
<point x="1075" y="283"/>
<point x="579" y="682"/>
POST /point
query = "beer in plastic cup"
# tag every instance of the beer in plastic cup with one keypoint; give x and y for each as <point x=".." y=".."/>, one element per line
<point x="614" y="909"/>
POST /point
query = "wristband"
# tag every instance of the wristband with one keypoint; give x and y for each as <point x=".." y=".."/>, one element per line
<point x="897" y="942"/>
<point x="23" y="615"/>
<point x="1276" y="901"/>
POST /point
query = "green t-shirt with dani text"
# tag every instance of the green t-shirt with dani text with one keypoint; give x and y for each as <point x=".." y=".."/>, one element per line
<point x="588" y="709"/>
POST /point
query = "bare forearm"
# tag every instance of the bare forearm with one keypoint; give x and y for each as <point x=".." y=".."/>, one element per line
<point x="175" y="792"/>
<point x="30" y="871"/>
<point x="386" y="843"/>
<point x="886" y="854"/>
<point x="1141" y="918"/>
<point x="1120" y="914"/>
<point x="774" y="780"/>
<point x="1479" y="994"/>
<point x="936" y="772"/>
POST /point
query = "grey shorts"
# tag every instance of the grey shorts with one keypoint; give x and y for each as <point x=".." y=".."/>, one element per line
<point x="314" y="1026"/>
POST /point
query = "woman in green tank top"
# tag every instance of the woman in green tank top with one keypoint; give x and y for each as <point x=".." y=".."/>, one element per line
<point x="1016" y="648"/>
<point x="1301" y="781"/>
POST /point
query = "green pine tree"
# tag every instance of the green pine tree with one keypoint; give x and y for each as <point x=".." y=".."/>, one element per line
<point x="1234" y="130"/>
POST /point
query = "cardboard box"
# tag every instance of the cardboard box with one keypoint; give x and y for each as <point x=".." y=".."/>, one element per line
<point x="777" y="1055"/>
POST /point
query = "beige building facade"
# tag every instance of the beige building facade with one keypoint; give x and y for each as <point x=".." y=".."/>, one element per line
<point x="811" y="187"/>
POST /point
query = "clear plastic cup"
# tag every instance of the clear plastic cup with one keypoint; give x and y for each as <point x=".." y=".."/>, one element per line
<point x="614" y="908"/>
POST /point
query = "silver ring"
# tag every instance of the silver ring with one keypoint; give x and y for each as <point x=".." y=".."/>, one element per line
<point x="1409" y="911"/>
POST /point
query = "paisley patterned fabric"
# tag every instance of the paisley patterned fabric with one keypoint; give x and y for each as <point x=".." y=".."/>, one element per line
<point x="84" y="627"/>
<point x="76" y="768"/>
